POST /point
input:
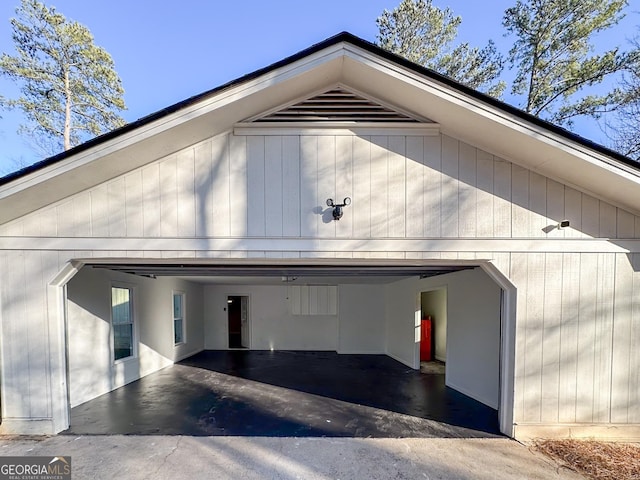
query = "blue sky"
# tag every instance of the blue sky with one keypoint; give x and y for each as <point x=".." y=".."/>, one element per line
<point x="167" y="51"/>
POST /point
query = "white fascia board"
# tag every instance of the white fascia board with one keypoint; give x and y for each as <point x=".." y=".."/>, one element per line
<point x="170" y="121"/>
<point x="488" y="111"/>
<point x="495" y="245"/>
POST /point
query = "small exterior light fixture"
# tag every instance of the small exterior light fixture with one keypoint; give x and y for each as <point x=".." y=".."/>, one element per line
<point x="337" y="207"/>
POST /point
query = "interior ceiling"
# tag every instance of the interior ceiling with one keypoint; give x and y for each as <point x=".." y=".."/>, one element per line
<point x="292" y="280"/>
<point x="285" y="274"/>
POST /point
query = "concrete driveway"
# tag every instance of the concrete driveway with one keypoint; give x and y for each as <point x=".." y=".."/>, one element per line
<point x="185" y="457"/>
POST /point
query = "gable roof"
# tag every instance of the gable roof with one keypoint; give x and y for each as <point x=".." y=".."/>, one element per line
<point x="342" y="59"/>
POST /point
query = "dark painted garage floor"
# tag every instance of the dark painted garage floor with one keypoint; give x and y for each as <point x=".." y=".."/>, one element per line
<point x="287" y="394"/>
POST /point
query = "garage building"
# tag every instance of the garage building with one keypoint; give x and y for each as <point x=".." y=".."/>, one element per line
<point x="330" y="202"/>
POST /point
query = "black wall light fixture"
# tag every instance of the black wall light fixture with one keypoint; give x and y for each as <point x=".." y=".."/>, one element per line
<point x="337" y="207"/>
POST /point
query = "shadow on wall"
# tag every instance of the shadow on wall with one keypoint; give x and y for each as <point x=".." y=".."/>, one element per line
<point x="89" y="335"/>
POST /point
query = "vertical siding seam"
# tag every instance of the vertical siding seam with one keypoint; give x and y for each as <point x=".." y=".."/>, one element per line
<point x="635" y="286"/>
<point x="525" y="334"/>
<point x="193" y="193"/>
<point x="48" y="329"/>
<point x="352" y="177"/>
<point x="510" y="200"/>
<point x="91" y="215"/>
<point x="577" y="343"/>
<point x="474" y="190"/>
<point x="282" y="187"/>
<point x="175" y="199"/>
<point x="387" y="158"/>
<point x="423" y="189"/>
<point x="300" y="184"/>
<point x="246" y="185"/>
<point x="599" y="219"/>
<point x="582" y="235"/>
<point x="28" y="336"/>
<point x="543" y="341"/>
<point x="511" y="204"/>
<point x="124" y="178"/>
<point x="316" y="174"/>
<point x="142" y="203"/>
<point x="564" y="208"/>
<point x="613" y="327"/>
<point x="264" y="188"/>
<point x="457" y="179"/>
<point x="335" y="172"/>
<point x="227" y="153"/>
<point x="369" y="141"/>
<point x="406" y="189"/>
<point x="597" y="338"/>
<point x="440" y="181"/>
<point x="630" y="258"/>
<point x="560" y="324"/>
<point x="335" y="180"/>
<point x="634" y="301"/>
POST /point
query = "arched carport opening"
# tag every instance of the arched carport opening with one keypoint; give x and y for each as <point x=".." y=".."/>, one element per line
<point x="356" y="277"/>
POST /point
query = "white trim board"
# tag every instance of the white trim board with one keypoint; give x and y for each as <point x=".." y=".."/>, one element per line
<point x="280" y="244"/>
<point x="612" y="432"/>
<point x="335" y="128"/>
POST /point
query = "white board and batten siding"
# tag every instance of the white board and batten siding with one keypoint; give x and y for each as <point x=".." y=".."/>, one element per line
<point x="277" y="186"/>
<point x="578" y="312"/>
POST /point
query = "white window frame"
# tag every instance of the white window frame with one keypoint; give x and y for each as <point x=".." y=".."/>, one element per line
<point x="184" y="317"/>
<point x="134" y="324"/>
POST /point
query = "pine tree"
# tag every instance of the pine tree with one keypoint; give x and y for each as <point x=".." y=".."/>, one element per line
<point x="425" y="34"/>
<point x="553" y="55"/>
<point x="69" y="88"/>
<point x="624" y="126"/>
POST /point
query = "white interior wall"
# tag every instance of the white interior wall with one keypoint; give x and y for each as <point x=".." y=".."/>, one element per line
<point x="271" y="323"/>
<point x="362" y="320"/>
<point x="358" y="326"/>
<point x="473" y="329"/>
<point x="473" y="333"/>
<point x="402" y="311"/>
<point x="91" y="370"/>
<point x="434" y="303"/>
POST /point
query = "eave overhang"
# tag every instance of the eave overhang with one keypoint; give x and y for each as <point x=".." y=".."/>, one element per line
<point x="347" y="60"/>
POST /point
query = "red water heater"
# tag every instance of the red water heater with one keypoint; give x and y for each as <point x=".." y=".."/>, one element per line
<point x="425" y="339"/>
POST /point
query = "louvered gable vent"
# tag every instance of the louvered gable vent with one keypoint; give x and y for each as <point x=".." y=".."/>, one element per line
<point x="337" y="105"/>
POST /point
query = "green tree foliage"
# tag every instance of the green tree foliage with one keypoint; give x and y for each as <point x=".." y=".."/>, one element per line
<point x="555" y="60"/>
<point x="424" y="34"/>
<point x="624" y="127"/>
<point x="69" y="88"/>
